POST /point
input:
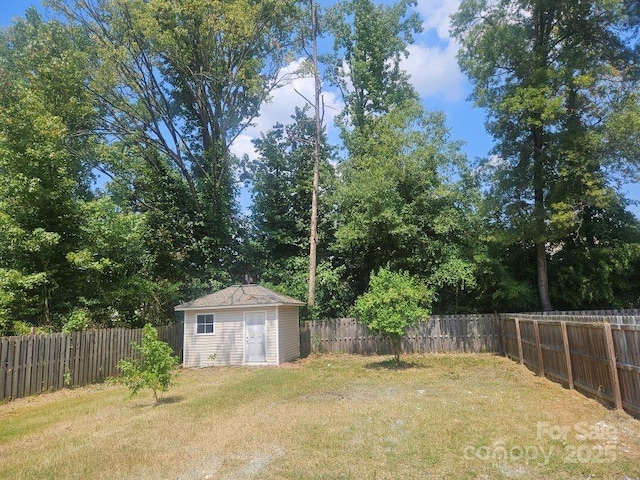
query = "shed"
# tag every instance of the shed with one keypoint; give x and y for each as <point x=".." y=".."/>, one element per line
<point x="241" y="325"/>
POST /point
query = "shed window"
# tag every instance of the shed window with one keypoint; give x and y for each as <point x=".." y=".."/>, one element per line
<point x="205" y="323"/>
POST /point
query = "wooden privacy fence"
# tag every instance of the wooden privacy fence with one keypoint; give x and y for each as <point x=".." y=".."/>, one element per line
<point x="616" y="317"/>
<point x="446" y="333"/>
<point x="39" y="363"/>
<point x="598" y="358"/>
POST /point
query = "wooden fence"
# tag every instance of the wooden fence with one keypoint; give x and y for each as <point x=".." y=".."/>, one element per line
<point x="598" y="358"/>
<point x="631" y="317"/>
<point x="597" y="355"/>
<point x="39" y="363"/>
<point x="447" y="333"/>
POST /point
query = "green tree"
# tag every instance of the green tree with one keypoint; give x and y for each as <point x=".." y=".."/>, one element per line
<point x="600" y="268"/>
<point x="369" y="43"/>
<point x="281" y="180"/>
<point x="46" y="119"/>
<point x="113" y="266"/>
<point x="68" y="257"/>
<point x="555" y="78"/>
<point x="406" y="200"/>
<point x="185" y="78"/>
<point x="393" y="302"/>
<point x="155" y="367"/>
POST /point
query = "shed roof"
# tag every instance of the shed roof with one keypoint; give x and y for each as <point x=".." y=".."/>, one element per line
<point x="240" y="296"/>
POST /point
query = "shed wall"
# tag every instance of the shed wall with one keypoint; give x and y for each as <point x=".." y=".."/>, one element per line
<point x="272" y="336"/>
<point x="228" y="340"/>
<point x="289" y="333"/>
<point x="226" y="343"/>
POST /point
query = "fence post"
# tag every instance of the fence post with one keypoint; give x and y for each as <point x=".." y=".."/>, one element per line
<point x="536" y="329"/>
<point x="4" y="347"/>
<point x="501" y="335"/>
<point x="28" y="365"/>
<point x="611" y="353"/>
<point x="519" y="340"/>
<point x="567" y="353"/>
<point x="15" y="392"/>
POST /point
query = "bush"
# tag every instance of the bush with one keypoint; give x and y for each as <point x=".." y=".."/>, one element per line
<point x="393" y="302"/>
<point x="24" y="328"/>
<point x="155" y="367"/>
<point x="80" y="319"/>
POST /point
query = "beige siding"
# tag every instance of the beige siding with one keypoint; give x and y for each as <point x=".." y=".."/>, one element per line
<point x="289" y="333"/>
<point x="272" y="340"/>
<point x="228" y="340"/>
<point x="226" y="343"/>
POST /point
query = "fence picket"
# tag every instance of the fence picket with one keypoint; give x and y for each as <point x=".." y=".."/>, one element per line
<point x="615" y="384"/>
<point x="4" y="350"/>
<point x="519" y="337"/>
<point x="26" y="385"/>
<point x="567" y="353"/>
<point x="16" y="369"/>
<point x="90" y="359"/>
<point x="66" y="352"/>
<point x="539" y="348"/>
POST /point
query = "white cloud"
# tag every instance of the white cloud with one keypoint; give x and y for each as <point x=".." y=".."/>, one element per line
<point x="282" y="106"/>
<point x="436" y="13"/>
<point x="432" y="61"/>
<point x="242" y="146"/>
<point x="434" y="71"/>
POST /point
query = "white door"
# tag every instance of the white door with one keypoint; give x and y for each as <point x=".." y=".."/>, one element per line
<point x="256" y="337"/>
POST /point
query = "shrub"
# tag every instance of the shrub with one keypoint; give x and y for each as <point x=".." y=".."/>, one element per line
<point x="80" y="319"/>
<point x="24" y="328"/>
<point x="154" y="368"/>
<point x="393" y="302"/>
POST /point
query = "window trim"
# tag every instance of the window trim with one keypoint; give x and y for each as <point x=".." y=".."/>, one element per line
<point x="205" y="323"/>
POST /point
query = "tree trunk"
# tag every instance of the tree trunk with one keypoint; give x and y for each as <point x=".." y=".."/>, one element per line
<point x="313" y="236"/>
<point x="543" y="280"/>
<point x="396" y="345"/>
<point x="539" y="218"/>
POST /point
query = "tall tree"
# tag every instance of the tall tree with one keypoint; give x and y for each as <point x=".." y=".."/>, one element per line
<point x="313" y="233"/>
<point x="46" y="155"/>
<point x="69" y="257"/>
<point x="186" y="77"/>
<point x="406" y="201"/>
<point x="282" y="183"/>
<point x="396" y="207"/>
<point x="369" y="43"/>
<point x="552" y="75"/>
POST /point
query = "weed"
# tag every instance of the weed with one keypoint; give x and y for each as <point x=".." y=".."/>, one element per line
<point x="67" y="378"/>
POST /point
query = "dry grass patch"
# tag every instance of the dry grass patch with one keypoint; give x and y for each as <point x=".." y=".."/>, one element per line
<point x="326" y="417"/>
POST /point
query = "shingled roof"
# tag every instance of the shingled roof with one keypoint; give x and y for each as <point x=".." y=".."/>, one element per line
<point x="240" y="296"/>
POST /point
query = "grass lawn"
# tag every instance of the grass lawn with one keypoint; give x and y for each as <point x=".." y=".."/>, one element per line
<point x="325" y="417"/>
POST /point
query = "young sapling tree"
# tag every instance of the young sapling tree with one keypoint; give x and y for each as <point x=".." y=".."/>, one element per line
<point x="155" y="367"/>
<point x="393" y="302"/>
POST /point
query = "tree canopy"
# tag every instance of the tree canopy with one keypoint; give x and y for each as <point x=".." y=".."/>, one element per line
<point x="120" y="194"/>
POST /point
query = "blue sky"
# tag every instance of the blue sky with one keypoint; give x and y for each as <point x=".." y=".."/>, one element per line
<point x="12" y="8"/>
<point x="433" y="70"/>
